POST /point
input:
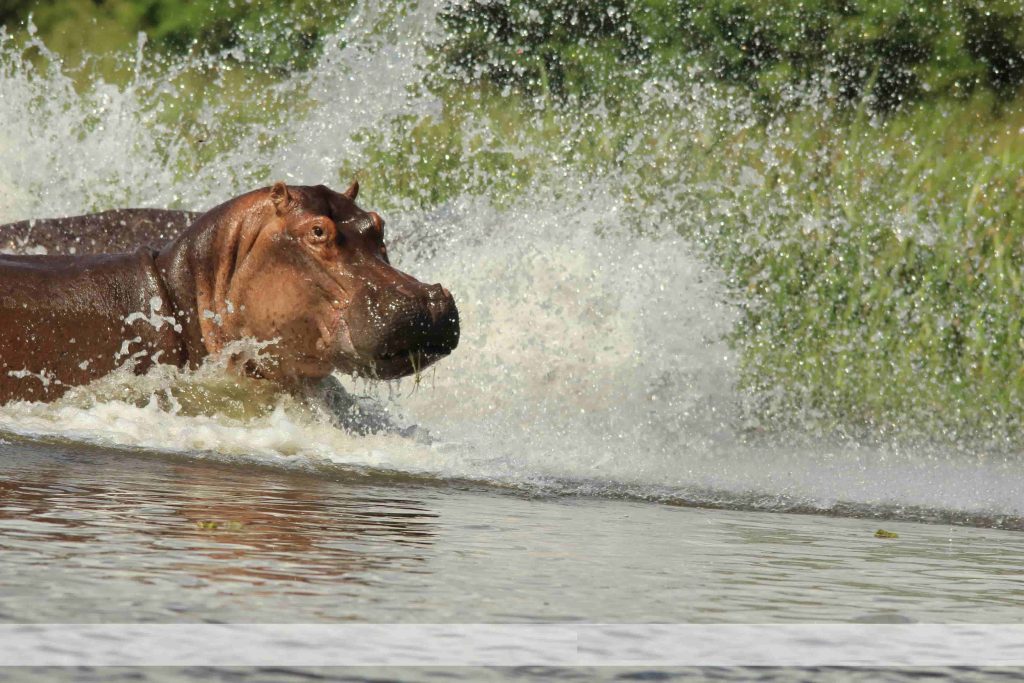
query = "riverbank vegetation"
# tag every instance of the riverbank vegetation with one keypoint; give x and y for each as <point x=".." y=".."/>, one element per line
<point x="856" y="169"/>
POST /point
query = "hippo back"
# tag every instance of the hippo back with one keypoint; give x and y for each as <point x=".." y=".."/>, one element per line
<point x="67" y="320"/>
<point x="107" y="232"/>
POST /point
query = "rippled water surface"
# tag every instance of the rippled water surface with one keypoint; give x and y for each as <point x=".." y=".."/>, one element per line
<point x="89" y="535"/>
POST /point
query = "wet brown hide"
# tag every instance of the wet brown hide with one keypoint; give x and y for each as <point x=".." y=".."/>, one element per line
<point x="302" y="269"/>
<point x="107" y="232"/>
<point x="65" y="321"/>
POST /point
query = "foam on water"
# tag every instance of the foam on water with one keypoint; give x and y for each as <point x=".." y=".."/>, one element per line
<point x="592" y="357"/>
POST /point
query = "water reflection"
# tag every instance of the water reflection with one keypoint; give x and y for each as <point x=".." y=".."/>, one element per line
<point x="204" y="526"/>
<point x="92" y="535"/>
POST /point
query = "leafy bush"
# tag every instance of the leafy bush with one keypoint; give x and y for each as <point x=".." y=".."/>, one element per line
<point x="559" y="47"/>
<point x="890" y="50"/>
<point x="275" y="34"/>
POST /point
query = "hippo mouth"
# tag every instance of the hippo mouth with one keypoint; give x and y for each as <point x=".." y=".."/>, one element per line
<point x="395" y="364"/>
<point x="426" y="350"/>
<point x="397" y="334"/>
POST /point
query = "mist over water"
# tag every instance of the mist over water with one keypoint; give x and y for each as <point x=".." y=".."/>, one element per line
<point x="593" y="356"/>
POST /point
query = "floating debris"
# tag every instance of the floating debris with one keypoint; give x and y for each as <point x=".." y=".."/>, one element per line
<point x="212" y="525"/>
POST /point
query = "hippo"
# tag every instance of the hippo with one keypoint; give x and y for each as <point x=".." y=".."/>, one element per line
<point x="96" y="233"/>
<point x="301" y="269"/>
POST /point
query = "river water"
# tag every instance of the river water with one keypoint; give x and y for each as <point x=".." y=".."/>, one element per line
<point x="97" y="535"/>
<point x="92" y="535"/>
<point x="584" y="456"/>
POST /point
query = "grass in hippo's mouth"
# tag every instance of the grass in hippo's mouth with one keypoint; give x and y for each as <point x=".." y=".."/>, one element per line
<point x="414" y="355"/>
<point x="394" y="355"/>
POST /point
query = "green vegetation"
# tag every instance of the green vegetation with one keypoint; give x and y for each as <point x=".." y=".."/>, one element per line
<point x="889" y="50"/>
<point x="880" y="262"/>
<point x="884" y="262"/>
<point x="870" y="225"/>
<point x="215" y="525"/>
<point x="275" y="34"/>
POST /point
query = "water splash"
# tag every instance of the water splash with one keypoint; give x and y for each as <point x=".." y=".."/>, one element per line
<point x="593" y="357"/>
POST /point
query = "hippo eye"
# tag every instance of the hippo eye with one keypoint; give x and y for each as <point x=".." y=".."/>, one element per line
<point x="317" y="234"/>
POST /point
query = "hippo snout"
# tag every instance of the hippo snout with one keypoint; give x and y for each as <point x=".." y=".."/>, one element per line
<point x="401" y="330"/>
<point x="445" y="321"/>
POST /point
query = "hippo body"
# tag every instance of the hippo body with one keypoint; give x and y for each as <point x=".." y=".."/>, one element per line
<point x="301" y="268"/>
<point x="107" y="232"/>
<point x="69" y="320"/>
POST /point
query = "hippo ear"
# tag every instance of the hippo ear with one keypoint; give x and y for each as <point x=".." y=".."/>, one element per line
<point x="280" y="197"/>
<point x="353" y="190"/>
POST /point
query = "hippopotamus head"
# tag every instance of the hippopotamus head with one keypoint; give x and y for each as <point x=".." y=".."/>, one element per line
<point x="306" y="269"/>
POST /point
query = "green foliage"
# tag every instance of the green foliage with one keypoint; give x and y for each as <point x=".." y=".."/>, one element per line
<point x="882" y="265"/>
<point x="892" y="50"/>
<point x="558" y="47"/>
<point x="272" y="34"/>
<point x="994" y="36"/>
<point x="277" y="33"/>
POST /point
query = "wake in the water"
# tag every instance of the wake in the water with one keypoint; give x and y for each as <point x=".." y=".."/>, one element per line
<point x="595" y="354"/>
<point x="587" y="367"/>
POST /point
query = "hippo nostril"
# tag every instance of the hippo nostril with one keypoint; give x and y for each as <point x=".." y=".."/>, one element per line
<point x="439" y="302"/>
<point x="437" y="293"/>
